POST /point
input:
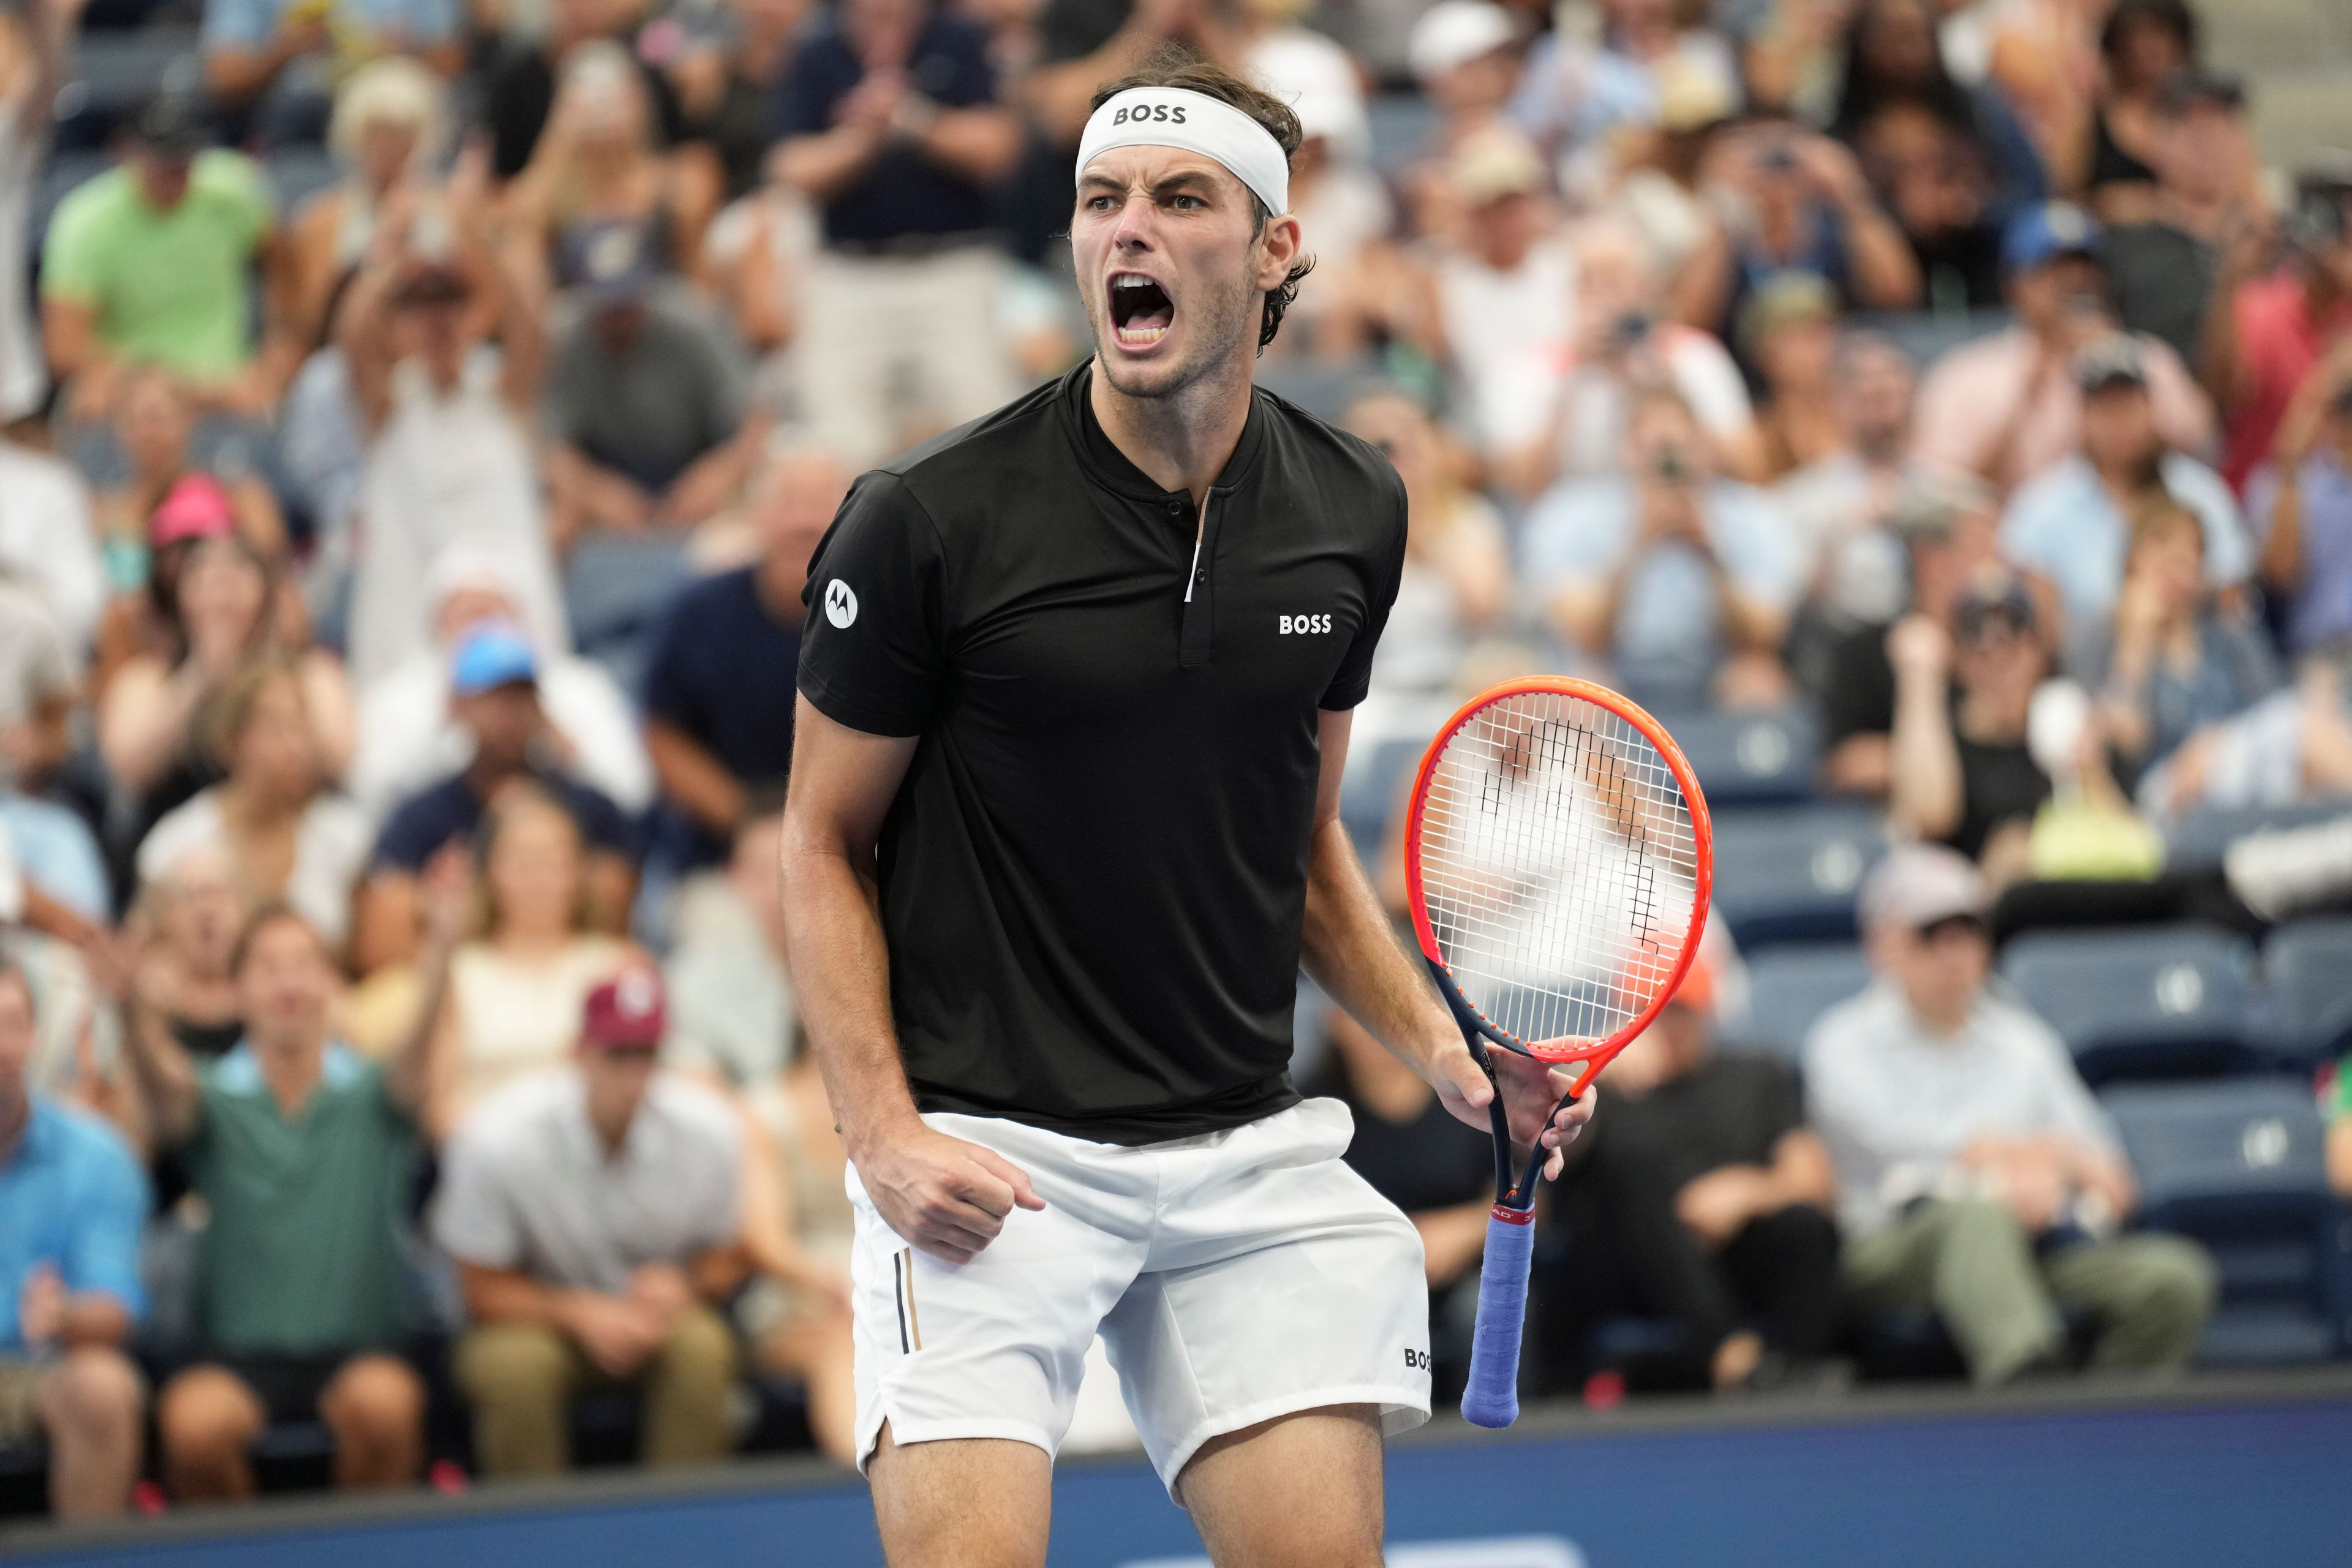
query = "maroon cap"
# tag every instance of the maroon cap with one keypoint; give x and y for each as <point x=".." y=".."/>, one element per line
<point x="627" y="1011"/>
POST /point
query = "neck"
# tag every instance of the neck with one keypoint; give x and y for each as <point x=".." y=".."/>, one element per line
<point x="15" y="1115"/>
<point x="243" y="806"/>
<point x="778" y="594"/>
<point x="1183" y="441"/>
<point x="484" y="774"/>
<point x="610" y="1125"/>
<point x="289" y="1066"/>
<point x="1880" y="449"/>
<point x="1940" y="1022"/>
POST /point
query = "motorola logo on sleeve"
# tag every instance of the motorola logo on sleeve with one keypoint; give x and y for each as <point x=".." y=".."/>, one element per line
<point x="840" y="603"/>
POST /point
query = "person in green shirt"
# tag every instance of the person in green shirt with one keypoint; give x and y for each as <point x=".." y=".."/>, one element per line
<point x="305" y="1153"/>
<point x="152" y="262"/>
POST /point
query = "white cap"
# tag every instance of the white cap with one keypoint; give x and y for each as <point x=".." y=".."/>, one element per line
<point x="1455" y="32"/>
<point x="1918" y="884"/>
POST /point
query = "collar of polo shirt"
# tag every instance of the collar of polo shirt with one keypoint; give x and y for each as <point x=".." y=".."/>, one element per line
<point x="1179" y="117"/>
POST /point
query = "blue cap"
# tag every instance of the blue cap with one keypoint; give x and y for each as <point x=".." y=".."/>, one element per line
<point x="492" y="653"/>
<point x="2041" y="233"/>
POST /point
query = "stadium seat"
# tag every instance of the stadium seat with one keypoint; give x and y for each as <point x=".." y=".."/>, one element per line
<point x="1789" y="873"/>
<point x="298" y="173"/>
<point x="2307" y="966"/>
<point x="1787" y="988"/>
<point x="1402" y="125"/>
<point x="2144" y="1002"/>
<point x="2240" y="1166"/>
<point x="2195" y="847"/>
<point x="1751" y="759"/>
<point x="112" y="72"/>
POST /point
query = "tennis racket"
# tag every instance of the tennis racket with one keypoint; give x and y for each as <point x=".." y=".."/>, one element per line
<point x="1559" y="858"/>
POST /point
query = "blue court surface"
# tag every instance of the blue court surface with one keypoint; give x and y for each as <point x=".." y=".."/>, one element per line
<point x="2235" y="1474"/>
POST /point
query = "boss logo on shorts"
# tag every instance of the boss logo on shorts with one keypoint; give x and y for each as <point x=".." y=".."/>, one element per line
<point x="1158" y="113"/>
<point x="1304" y="625"/>
<point x="1415" y="1360"/>
<point x="840" y="603"/>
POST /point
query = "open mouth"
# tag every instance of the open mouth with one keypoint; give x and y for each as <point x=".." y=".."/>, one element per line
<point x="1140" y="310"/>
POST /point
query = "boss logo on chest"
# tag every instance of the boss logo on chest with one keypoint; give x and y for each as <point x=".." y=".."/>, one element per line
<point x="1304" y="625"/>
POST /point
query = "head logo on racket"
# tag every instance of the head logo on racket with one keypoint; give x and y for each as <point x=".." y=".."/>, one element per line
<point x="840" y="603"/>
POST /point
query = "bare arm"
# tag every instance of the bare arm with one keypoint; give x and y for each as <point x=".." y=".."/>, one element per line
<point x="1800" y="1170"/>
<point x="2340" y="1156"/>
<point x="824" y="166"/>
<point x="1348" y="948"/>
<point x="166" y="1079"/>
<point x="981" y="144"/>
<point x="49" y="29"/>
<point x="1923" y="757"/>
<point x="695" y="779"/>
<point x="364" y="331"/>
<point x="944" y="1195"/>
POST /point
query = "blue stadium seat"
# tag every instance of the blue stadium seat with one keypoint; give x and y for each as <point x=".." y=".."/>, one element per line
<point x="298" y="173"/>
<point x="2144" y="1002"/>
<point x="2195" y="847"/>
<point x="1789" y="873"/>
<point x="1402" y="125"/>
<point x="2241" y="1167"/>
<point x="2307" y="965"/>
<point x="1751" y="759"/>
<point x="1788" y="987"/>
<point x="114" y="72"/>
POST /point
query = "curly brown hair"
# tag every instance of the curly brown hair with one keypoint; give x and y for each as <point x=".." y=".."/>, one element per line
<point x="1173" y="64"/>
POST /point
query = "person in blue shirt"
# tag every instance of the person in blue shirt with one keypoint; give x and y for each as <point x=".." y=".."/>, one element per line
<point x="282" y="56"/>
<point x="2301" y="503"/>
<point x="71" y="1203"/>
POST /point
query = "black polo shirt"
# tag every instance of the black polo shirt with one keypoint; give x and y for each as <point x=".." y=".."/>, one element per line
<point x="1094" y="876"/>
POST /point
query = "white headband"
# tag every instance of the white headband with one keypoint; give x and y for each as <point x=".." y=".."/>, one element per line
<point x="1177" y="116"/>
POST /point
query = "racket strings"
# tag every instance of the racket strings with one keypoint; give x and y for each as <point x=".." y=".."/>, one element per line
<point x="1559" y="862"/>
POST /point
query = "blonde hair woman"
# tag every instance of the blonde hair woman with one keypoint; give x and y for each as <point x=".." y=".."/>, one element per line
<point x="390" y="123"/>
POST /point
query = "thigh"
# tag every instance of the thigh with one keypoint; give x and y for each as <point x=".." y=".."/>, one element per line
<point x="982" y="1502"/>
<point x="1895" y="1264"/>
<point x="1307" y="1293"/>
<point x="20" y="1404"/>
<point x="1297" y="1492"/>
<point x="2105" y="1276"/>
<point x="995" y="1348"/>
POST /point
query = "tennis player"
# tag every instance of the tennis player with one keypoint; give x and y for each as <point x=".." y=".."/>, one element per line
<point x="1064" y="827"/>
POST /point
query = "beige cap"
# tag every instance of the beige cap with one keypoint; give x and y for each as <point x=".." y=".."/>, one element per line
<point x="1917" y="885"/>
<point x="1492" y="163"/>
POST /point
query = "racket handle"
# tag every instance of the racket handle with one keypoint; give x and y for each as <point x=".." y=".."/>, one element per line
<point x="1491" y="1398"/>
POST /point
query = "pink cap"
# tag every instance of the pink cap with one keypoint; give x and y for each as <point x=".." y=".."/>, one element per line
<point x="195" y="507"/>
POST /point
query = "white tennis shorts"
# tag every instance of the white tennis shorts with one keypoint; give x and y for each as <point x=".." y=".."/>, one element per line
<point x="1234" y="1276"/>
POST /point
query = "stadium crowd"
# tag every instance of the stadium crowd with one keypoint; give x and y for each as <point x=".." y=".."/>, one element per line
<point x="400" y="594"/>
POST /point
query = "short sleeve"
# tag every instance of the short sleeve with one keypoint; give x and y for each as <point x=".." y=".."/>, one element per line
<point x="602" y="824"/>
<point x="73" y="258"/>
<point x="238" y="23"/>
<point x="2229" y="551"/>
<point x="801" y="103"/>
<point x="1709" y="382"/>
<point x="1576" y="530"/>
<point x="102" y="1256"/>
<point x="472" y="1220"/>
<point x="1758" y="547"/>
<point x="873" y="646"/>
<point x="409" y="838"/>
<point x="1354" y="677"/>
<point x="237" y="181"/>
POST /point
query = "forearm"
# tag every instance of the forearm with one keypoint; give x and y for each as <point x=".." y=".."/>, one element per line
<point x="240" y="74"/>
<point x="833" y="938"/>
<point x="1885" y="273"/>
<point x="1923" y="763"/>
<point x="820" y="167"/>
<point x="2340" y="1156"/>
<point x="506" y="1296"/>
<point x="1348" y="948"/>
<point x="1060" y="95"/>
<point x="1754" y="627"/>
<point x="1800" y="1172"/>
<point x="2282" y="561"/>
<point x="978" y="144"/>
<point x="94" y="1320"/>
<point x="166" y="1079"/>
<point x="694" y="779"/>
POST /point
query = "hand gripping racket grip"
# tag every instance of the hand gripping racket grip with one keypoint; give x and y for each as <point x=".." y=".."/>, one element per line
<point x="1491" y="1398"/>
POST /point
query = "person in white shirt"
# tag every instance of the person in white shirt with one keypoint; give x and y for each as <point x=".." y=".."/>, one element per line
<point x="1975" y="1173"/>
<point x="408" y="739"/>
<point x="47" y="540"/>
<point x="34" y="41"/>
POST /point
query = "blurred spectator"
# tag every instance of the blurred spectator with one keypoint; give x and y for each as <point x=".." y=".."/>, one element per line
<point x="1791" y="200"/>
<point x="1337" y="196"/>
<point x="1416" y="1155"/>
<point x="1842" y="503"/>
<point x="1573" y="93"/>
<point x="732" y="1018"/>
<point x="2200" y="229"/>
<point x="592" y="1213"/>
<point x="1463" y="55"/>
<point x="2281" y="327"/>
<point x="167" y="493"/>
<point x="1457" y="570"/>
<point x="1894" y="69"/>
<point x="272" y="64"/>
<point x="149" y="263"/>
<point x="1651" y="179"/>
<point x="305" y="1157"/>
<point x="185" y="981"/>
<point x="35" y="40"/>
<point x="1788" y="331"/>
<point x="1707" y="1202"/>
<point x="2176" y="664"/>
<point x="2339" y="1133"/>
<point x="40" y="688"/>
<point x="409" y="736"/>
<point x="1975" y="1174"/>
<point x="2142" y="45"/>
<point x="287" y="836"/>
<point x="47" y="543"/>
<point x="391" y="120"/>
<point x="2043" y="61"/>
<point x="494" y="696"/>
<point x="599" y="166"/>
<point x="2007" y="407"/>
<point x="722" y="80"/>
<point x="643" y="413"/>
<point x="1089" y="42"/>
<point x="1682" y="581"/>
<point x="2301" y="505"/>
<point x="1936" y="185"/>
<point x="521" y="91"/>
<point x="1958" y="769"/>
<point x="719" y="676"/>
<point x="2070" y="523"/>
<point x="216" y="609"/>
<point x="1616" y="345"/>
<point x="1503" y="287"/>
<point x="71" y="1201"/>
<point x="887" y="120"/>
<point x="447" y="420"/>
<point x="502" y="1004"/>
